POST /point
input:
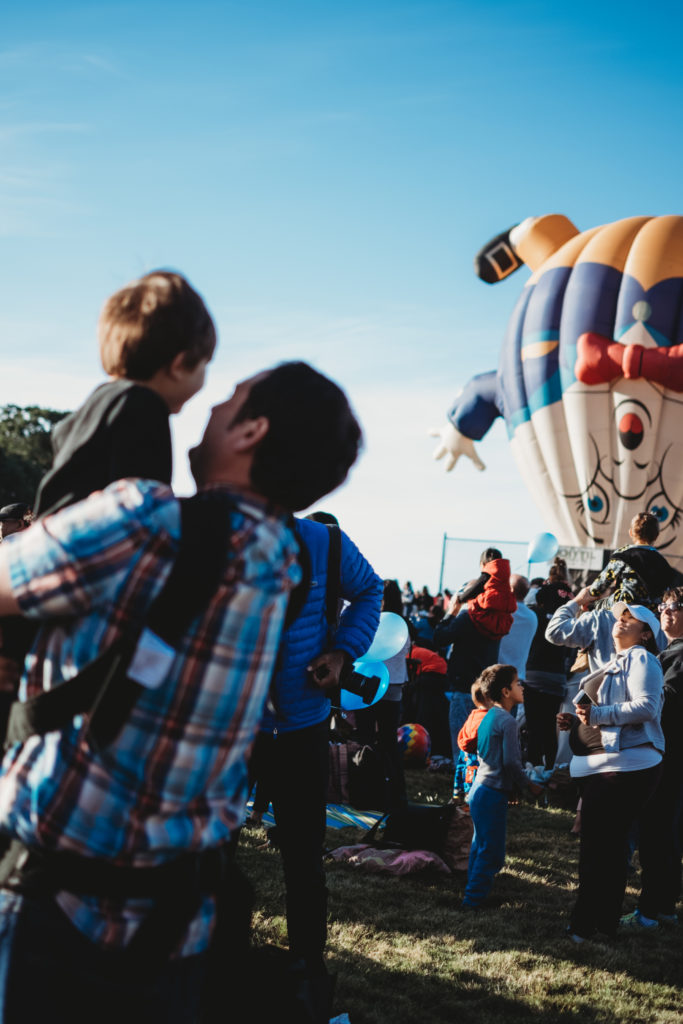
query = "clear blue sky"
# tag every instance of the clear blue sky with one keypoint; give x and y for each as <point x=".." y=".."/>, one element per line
<point x="324" y="175"/>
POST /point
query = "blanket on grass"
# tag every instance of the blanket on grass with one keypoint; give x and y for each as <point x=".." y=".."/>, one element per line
<point x="395" y="862"/>
<point x="338" y="816"/>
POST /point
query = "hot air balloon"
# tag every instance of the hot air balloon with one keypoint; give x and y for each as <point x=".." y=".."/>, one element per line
<point x="590" y="378"/>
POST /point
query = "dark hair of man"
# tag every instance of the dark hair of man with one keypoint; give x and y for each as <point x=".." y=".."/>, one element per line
<point x="391" y="599"/>
<point x="490" y="555"/>
<point x="645" y="527"/>
<point x="496" y="678"/>
<point x="145" y="325"/>
<point x="313" y="437"/>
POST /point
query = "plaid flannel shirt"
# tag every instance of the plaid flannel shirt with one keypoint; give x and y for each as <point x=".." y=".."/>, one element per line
<point x="175" y="778"/>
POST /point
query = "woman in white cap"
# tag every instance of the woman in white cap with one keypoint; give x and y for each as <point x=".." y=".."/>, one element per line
<point x="618" y="743"/>
<point x="660" y="837"/>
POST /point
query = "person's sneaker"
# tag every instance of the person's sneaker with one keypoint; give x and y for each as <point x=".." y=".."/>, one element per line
<point x="573" y="937"/>
<point x="636" y="922"/>
<point x="667" y="918"/>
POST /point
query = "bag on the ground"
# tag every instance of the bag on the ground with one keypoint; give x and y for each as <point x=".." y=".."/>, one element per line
<point x="444" y="829"/>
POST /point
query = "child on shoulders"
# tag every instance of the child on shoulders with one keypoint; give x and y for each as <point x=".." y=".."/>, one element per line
<point x="490" y="601"/>
<point x="636" y="573"/>
<point x="156" y="338"/>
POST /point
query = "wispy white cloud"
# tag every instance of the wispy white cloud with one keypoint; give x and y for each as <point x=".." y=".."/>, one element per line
<point x="8" y="132"/>
<point x="21" y="56"/>
<point x="93" y="60"/>
<point x="48" y="56"/>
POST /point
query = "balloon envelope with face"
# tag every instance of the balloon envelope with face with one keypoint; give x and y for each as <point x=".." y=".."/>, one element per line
<point x="590" y="378"/>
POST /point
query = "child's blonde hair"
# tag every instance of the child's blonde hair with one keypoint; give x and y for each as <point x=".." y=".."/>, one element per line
<point x="145" y="325"/>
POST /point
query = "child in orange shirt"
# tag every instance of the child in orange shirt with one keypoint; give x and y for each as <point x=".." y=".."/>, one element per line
<point x="467" y="762"/>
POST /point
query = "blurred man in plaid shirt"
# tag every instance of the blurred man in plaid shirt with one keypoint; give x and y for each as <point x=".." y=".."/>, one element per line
<point x="164" y="796"/>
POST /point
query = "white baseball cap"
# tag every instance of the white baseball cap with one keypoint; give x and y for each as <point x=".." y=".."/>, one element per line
<point x="638" y="611"/>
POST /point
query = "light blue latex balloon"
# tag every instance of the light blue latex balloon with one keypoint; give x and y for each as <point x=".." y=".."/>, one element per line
<point x="542" y="548"/>
<point x="390" y="637"/>
<point x="351" y="701"/>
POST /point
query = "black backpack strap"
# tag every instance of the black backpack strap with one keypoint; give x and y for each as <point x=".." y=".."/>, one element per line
<point x="199" y="565"/>
<point x="54" y="709"/>
<point x="102" y="689"/>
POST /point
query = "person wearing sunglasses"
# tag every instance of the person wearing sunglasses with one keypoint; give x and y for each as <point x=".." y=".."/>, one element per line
<point x="617" y="744"/>
<point x="661" y="823"/>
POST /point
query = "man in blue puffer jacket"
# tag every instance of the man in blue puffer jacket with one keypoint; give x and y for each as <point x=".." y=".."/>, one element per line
<point x="291" y="751"/>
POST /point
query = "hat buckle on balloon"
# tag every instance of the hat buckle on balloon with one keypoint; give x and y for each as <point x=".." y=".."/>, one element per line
<point x="590" y="376"/>
<point x="388" y="641"/>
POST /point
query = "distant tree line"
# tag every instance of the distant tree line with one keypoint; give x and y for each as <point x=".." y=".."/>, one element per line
<point x="25" y="450"/>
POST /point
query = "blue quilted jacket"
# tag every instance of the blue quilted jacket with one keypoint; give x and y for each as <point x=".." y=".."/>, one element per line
<point x="299" y="702"/>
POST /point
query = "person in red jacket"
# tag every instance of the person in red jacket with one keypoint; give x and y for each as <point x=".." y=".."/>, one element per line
<point x="490" y="601"/>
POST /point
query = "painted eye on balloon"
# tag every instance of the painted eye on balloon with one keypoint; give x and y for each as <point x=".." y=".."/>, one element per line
<point x="660" y="512"/>
<point x="594" y="504"/>
<point x="664" y="510"/>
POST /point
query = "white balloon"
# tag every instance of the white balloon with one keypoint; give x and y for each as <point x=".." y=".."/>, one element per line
<point x="390" y="637"/>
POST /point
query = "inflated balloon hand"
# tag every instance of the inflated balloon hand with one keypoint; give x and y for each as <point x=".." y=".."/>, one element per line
<point x="454" y="444"/>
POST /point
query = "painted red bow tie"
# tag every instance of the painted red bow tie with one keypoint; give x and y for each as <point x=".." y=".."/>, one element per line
<point x="600" y="360"/>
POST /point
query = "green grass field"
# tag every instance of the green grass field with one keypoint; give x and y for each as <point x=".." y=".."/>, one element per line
<point x="404" y="952"/>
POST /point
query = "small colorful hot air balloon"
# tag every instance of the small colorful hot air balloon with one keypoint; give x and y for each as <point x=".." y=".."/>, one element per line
<point x="414" y="741"/>
<point x="590" y="379"/>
